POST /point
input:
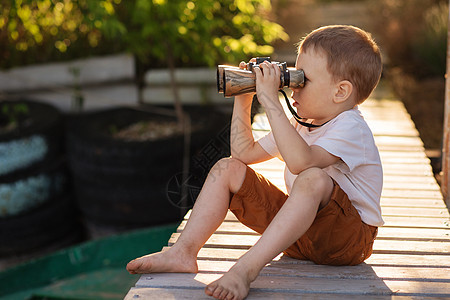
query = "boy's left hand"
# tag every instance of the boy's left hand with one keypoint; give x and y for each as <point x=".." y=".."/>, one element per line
<point x="267" y="83"/>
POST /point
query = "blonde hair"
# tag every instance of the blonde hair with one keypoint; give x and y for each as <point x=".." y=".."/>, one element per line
<point x="352" y="55"/>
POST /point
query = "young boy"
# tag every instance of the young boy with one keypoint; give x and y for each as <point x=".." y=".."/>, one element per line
<point x="333" y="172"/>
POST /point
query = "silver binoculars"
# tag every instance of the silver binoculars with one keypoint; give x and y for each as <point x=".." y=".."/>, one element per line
<point x="233" y="81"/>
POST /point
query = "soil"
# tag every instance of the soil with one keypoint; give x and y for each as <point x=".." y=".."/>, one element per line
<point x="148" y="131"/>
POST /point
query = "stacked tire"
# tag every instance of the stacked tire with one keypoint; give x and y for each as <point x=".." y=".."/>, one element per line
<point x="120" y="184"/>
<point x="35" y="209"/>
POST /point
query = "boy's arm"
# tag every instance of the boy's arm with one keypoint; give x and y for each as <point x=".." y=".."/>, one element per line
<point x="296" y="153"/>
<point x="242" y="143"/>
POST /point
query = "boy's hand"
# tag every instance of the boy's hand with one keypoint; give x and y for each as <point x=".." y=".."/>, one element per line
<point x="247" y="96"/>
<point x="267" y="83"/>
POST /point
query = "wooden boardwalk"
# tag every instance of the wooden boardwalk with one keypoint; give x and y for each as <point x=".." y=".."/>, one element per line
<point x="411" y="256"/>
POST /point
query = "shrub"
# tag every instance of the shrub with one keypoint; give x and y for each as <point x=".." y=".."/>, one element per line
<point x="430" y="44"/>
<point x="45" y="30"/>
<point x="413" y="34"/>
<point x="201" y="32"/>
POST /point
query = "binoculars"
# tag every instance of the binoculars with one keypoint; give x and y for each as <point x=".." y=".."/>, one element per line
<point x="233" y="81"/>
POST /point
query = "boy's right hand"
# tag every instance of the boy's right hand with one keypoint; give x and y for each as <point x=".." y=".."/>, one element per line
<point x="247" y="96"/>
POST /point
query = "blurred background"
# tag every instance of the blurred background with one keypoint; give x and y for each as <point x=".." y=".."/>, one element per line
<point x="110" y="117"/>
<point x="186" y="34"/>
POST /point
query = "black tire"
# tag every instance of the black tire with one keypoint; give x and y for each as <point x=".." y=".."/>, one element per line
<point x="40" y="137"/>
<point x="32" y="189"/>
<point x="35" y="229"/>
<point x="136" y="206"/>
<point x="120" y="182"/>
<point x="32" y="164"/>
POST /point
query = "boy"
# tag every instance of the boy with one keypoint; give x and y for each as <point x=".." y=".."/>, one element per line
<point x="333" y="172"/>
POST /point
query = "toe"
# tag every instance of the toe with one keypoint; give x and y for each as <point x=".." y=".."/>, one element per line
<point x="224" y="294"/>
<point x="217" y="292"/>
<point x="229" y="297"/>
<point x="210" y="288"/>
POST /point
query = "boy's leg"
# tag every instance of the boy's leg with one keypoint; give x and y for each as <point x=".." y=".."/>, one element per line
<point x="208" y="213"/>
<point x="311" y="191"/>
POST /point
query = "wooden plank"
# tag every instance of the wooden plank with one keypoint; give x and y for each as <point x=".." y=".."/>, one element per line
<point x="398" y="141"/>
<point x="361" y="271"/>
<point x="385" y="259"/>
<point x="424" y="234"/>
<point x="303" y="285"/>
<point x="406" y="160"/>
<point x="308" y="271"/>
<point x="175" y="293"/>
<point x="408" y="179"/>
<point x="400" y="155"/>
<point x="411" y="194"/>
<point x="399" y="148"/>
<point x="419" y="212"/>
<point x="396" y="221"/>
<point x="413" y="168"/>
<point x="415" y="222"/>
<point x="380" y="245"/>
<point x="408" y="202"/>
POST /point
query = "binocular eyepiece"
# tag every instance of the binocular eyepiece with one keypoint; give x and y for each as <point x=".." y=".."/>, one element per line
<point x="233" y="81"/>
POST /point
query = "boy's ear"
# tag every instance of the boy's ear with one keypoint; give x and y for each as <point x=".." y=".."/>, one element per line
<point x="343" y="92"/>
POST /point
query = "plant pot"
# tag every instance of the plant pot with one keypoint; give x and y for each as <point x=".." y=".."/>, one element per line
<point x="119" y="182"/>
<point x="33" y="179"/>
<point x="32" y="189"/>
<point x="32" y="168"/>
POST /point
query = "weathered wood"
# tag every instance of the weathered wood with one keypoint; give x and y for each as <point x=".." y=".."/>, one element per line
<point x="392" y="221"/>
<point x="403" y="245"/>
<point x="408" y="202"/>
<point x="399" y="233"/>
<point x="303" y="285"/>
<point x="173" y="293"/>
<point x="420" y="212"/>
<point x="384" y="259"/>
<point x="362" y="271"/>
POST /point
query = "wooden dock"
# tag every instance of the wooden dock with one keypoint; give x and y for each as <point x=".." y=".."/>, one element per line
<point x="411" y="256"/>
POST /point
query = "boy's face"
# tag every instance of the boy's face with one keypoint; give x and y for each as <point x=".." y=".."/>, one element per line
<point x="315" y="99"/>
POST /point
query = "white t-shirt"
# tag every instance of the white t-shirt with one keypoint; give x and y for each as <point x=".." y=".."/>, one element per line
<point x="358" y="172"/>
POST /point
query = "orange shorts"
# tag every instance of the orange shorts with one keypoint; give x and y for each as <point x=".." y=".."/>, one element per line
<point x="336" y="237"/>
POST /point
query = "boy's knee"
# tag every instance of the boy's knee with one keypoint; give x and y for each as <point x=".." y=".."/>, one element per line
<point x="314" y="180"/>
<point x="231" y="171"/>
<point x="228" y="164"/>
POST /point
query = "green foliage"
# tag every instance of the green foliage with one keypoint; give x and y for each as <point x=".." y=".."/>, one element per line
<point x="37" y="31"/>
<point x="201" y="32"/>
<point x="12" y="114"/>
<point x="431" y="42"/>
<point x="331" y="1"/>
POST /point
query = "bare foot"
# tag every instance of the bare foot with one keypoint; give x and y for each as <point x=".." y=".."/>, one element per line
<point x="233" y="285"/>
<point x="164" y="262"/>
